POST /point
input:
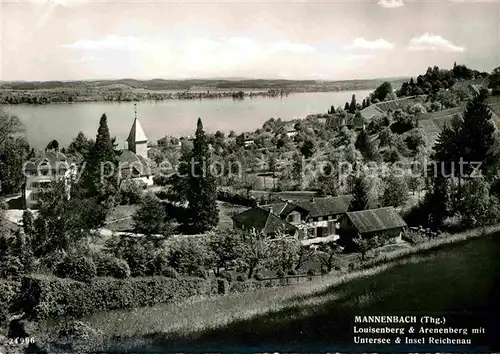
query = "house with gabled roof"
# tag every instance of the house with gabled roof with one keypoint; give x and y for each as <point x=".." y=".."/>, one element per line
<point x="287" y="129"/>
<point x="313" y="218"/>
<point x="245" y="139"/>
<point x="264" y="221"/>
<point x="44" y="169"/>
<point x="385" y="222"/>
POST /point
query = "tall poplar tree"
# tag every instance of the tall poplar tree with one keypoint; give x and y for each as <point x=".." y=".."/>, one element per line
<point x="359" y="195"/>
<point x="202" y="195"/>
<point x="100" y="177"/>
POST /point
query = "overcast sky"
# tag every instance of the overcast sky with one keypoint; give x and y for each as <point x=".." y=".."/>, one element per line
<point x="322" y="39"/>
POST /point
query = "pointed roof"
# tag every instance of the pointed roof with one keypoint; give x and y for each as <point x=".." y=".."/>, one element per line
<point x="137" y="133"/>
<point x="263" y="220"/>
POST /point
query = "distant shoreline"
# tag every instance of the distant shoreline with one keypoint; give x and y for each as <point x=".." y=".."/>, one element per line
<point x="160" y="90"/>
<point x="43" y="97"/>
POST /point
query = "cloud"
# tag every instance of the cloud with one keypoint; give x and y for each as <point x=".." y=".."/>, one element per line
<point x="431" y="42"/>
<point x="378" y="44"/>
<point x="286" y="46"/>
<point x="111" y="42"/>
<point x="391" y="4"/>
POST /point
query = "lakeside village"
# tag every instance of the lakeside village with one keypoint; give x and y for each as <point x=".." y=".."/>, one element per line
<point x="271" y="223"/>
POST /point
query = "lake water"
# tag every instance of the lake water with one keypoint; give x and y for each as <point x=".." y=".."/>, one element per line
<point x="171" y="117"/>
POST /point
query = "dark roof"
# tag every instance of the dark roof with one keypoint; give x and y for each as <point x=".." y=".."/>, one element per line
<point x="373" y="220"/>
<point x="276" y="208"/>
<point x="46" y="159"/>
<point x="263" y="220"/>
<point x="128" y="159"/>
<point x="326" y="205"/>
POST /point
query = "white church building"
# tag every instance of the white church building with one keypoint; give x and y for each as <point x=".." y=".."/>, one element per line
<point x="133" y="162"/>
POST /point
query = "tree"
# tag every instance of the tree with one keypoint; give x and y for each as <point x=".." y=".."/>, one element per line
<point x="478" y="133"/>
<point x="9" y="126"/>
<point x="395" y="192"/>
<point x="255" y="251"/>
<point x="64" y="224"/>
<point x="437" y="201"/>
<point x="346" y="107"/>
<point x="298" y="170"/>
<point x="149" y="219"/>
<point x="359" y="195"/>
<point x="386" y="137"/>
<point x="328" y="256"/>
<point x="365" y="145"/>
<point x="13" y="154"/>
<point x="474" y="203"/>
<point x="328" y="181"/>
<point x="284" y="253"/>
<point x="382" y="91"/>
<point x="226" y="246"/>
<point x="495" y="80"/>
<point x="190" y="256"/>
<point x="366" y="244"/>
<point x="198" y="185"/>
<point x="53" y="145"/>
<point x="81" y="145"/>
<point x="353" y="105"/>
<point x="99" y="178"/>
<point x="28" y="223"/>
<point x="307" y="148"/>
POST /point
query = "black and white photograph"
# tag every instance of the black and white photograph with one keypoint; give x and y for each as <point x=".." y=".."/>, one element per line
<point x="223" y="176"/>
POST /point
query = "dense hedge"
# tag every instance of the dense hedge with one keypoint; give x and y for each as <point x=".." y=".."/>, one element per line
<point x="49" y="297"/>
<point x="10" y="291"/>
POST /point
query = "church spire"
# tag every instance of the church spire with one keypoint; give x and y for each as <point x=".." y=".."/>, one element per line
<point x="137" y="140"/>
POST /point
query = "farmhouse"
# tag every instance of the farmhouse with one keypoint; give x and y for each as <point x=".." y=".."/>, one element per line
<point x="313" y="218"/>
<point x="246" y="139"/>
<point x="46" y="167"/>
<point x="288" y="130"/>
<point x="262" y="220"/>
<point x="372" y="222"/>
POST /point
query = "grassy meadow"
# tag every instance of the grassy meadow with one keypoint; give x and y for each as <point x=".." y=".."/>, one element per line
<point x="460" y="277"/>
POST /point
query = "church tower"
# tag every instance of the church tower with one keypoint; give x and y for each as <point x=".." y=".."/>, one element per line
<point x="137" y="140"/>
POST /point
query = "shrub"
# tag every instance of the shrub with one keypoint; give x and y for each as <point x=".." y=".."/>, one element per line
<point x="110" y="266"/>
<point x="240" y="277"/>
<point x="198" y="272"/>
<point x="158" y="264"/>
<point x="250" y="285"/>
<point x="130" y="193"/>
<point x="292" y="272"/>
<point x="137" y="252"/>
<point x="11" y="266"/>
<point x="188" y="256"/>
<point x="46" y="297"/>
<point x="77" y="330"/>
<point x="258" y="276"/>
<point x="76" y="267"/>
<point x="226" y="275"/>
<point x="169" y="272"/>
<point x="10" y="291"/>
